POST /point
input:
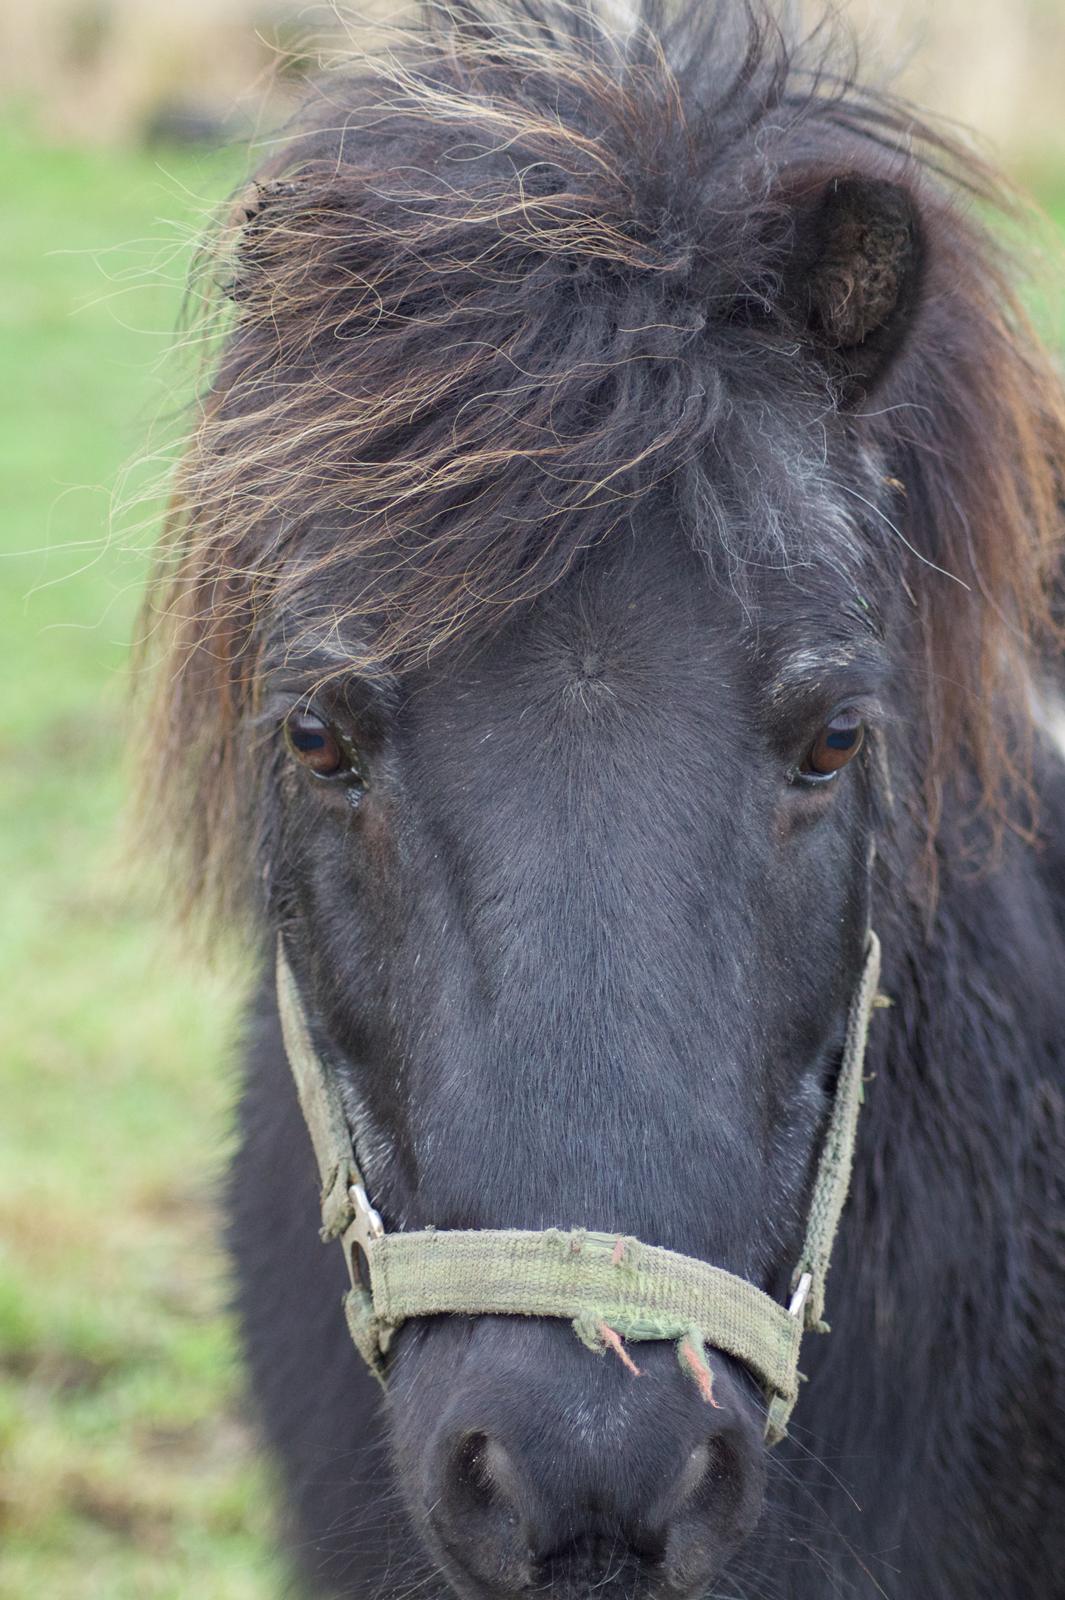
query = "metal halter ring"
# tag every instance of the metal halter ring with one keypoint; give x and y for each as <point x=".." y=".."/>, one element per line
<point x="365" y="1226"/>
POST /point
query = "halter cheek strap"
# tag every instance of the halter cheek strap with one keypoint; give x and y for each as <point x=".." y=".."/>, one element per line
<point x="610" y="1287"/>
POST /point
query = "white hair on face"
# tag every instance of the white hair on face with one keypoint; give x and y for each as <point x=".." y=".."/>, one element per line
<point x="1049" y="714"/>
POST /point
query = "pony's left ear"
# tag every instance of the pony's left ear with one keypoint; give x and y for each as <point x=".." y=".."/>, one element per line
<point x="854" y="275"/>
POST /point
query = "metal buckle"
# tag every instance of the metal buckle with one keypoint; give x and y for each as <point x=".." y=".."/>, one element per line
<point x="365" y="1226"/>
<point x="801" y="1295"/>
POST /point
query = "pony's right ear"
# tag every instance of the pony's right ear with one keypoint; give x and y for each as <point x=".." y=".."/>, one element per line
<point x="853" y="276"/>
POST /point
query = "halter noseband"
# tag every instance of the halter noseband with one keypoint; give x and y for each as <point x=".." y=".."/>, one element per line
<point x="611" y="1288"/>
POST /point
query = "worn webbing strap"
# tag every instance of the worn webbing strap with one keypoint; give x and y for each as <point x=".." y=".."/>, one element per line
<point x="638" y="1291"/>
<point x="607" y="1286"/>
<point x="832" y="1183"/>
<point x="833" y="1179"/>
<point x="322" y="1107"/>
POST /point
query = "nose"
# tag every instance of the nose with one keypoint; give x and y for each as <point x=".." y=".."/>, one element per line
<point x="598" y="1479"/>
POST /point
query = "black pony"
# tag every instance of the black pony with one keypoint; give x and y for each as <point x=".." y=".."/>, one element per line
<point x="617" y="561"/>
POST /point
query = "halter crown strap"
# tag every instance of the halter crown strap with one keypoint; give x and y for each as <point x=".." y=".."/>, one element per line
<point x="610" y="1287"/>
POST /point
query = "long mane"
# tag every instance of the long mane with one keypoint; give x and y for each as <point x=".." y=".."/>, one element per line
<point x="518" y="274"/>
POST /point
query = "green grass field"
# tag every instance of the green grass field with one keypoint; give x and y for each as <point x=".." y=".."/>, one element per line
<point x="127" y="1471"/>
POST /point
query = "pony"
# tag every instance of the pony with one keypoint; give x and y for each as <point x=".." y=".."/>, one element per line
<point x="616" y="563"/>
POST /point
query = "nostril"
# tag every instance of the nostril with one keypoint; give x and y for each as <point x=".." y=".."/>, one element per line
<point x="713" y="1505"/>
<point x="476" y="1511"/>
<point x="699" y="1465"/>
<point x="472" y="1477"/>
<point x="719" y="1477"/>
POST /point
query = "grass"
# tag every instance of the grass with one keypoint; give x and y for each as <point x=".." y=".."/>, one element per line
<point x="127" y="1471"/>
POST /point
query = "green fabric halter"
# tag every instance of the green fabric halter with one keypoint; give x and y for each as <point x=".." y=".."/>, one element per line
<point x="612" y="1288"/>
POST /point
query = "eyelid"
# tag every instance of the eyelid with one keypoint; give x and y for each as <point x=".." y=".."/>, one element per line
<point x="868" y="708"/>
<point x="813" y="780"/>
<point x="349" y="695"/>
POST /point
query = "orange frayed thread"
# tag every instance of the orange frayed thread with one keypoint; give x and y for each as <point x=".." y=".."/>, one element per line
<point x="618" y="1253"/>
<point x="699" y="1368"/>
<point x="613" y="1341"/>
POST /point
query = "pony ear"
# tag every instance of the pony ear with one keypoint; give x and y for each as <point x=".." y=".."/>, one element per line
<point x="854" y="276"/>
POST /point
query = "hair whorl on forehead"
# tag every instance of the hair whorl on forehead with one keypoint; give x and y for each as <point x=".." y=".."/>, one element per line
<point x="505" y="283"/>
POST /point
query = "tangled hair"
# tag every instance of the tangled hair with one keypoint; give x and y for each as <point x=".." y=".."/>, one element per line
<point x="506" y="281"/>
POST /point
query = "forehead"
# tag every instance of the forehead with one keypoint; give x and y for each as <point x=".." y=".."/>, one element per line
<point x="645" y="616"/>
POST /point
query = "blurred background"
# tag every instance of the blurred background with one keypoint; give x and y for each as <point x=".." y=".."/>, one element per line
<point x="128" y="1470"/>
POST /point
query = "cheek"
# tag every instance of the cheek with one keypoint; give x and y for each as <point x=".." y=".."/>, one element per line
<point x="821" y="847"/>
<point x="336" y="856"/>
<point x="799" y="1107"/>
<point x="816" y="917"/>
<point x="802" y="812"/>
<point x="374" y="836"/>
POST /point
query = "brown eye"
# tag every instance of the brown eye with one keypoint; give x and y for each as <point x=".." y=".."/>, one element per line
<point x="315" y="744"/>
<point x="838" y="742"/>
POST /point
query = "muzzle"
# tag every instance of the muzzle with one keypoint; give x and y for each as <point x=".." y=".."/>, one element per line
<point x="613" y="1289"/>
